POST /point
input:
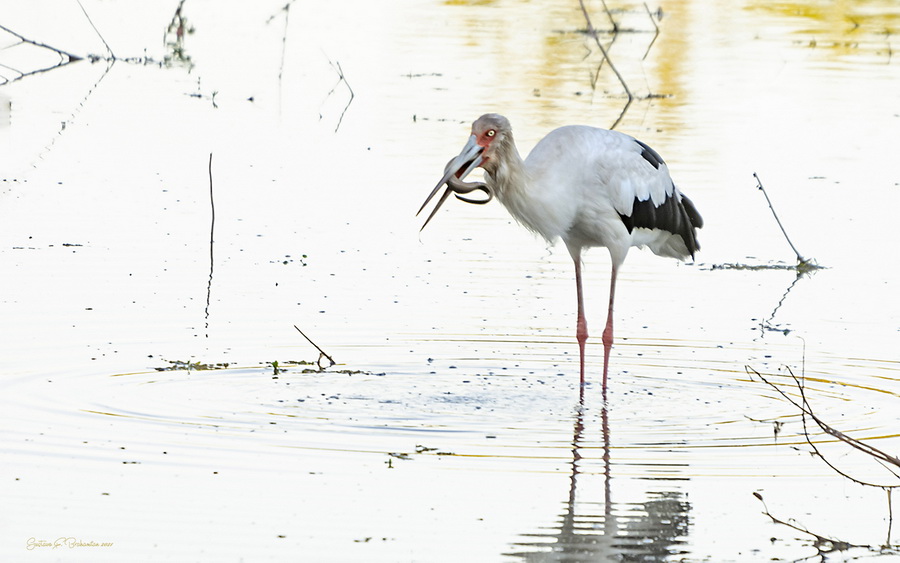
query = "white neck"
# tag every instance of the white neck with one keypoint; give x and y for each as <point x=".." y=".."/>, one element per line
<point x="526" y="197"/>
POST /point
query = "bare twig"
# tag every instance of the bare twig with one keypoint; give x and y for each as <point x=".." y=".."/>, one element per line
<point x="321" y="352"/>
<point x="655" y="32"/>
<point x="211" y="202"/>
<point x="56" y="50"/>
<point x="803" y="264"/>
<point x="212" y="231"/>
<point x="767" y="324"/>
<point x="341" y="78"/>
<point x="112" y="56"/>
<point x="822" y="543"/>
<point x="596" y="77"/>
<point x="178" y="27"/>
<point x="287" y="12"/>
<point x="890" y="517"/>
<point x="65" y="57"/>
<point x="74" y="113"/>
<point x="883" y="458"/>
<point x="284" y="8"/>
<point x="612" y="22"/>
<point x="777" y="220"/>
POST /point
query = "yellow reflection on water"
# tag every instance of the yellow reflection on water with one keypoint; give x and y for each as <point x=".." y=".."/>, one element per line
<point x="838" y="29"/>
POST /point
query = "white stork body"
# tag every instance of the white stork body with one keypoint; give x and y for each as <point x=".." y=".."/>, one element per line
<point x="587" y="186"/>
<point x="577" y="184"/>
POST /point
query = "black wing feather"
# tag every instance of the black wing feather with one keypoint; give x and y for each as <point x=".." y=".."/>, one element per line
<point x="678" y="217"/>
<point x="650" y="155"/>
<point x="676" y="214"/>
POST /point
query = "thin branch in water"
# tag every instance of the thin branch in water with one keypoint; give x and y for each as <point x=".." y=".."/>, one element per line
<point x="112" y="56"/>
<point x="884" y="459"/>
<point x="74" y="113"/>
<point x="830" y="545"/>
<point x="593" y="32"/>
<point x="803" y="264"/>
<point x="887" y="541"/>
<point x="287" y="12"/>
<point x="776" y="424"/>
<point x="596" y="77"/>
<point x="612" y="22"/>
<point x="56" y="50"/>
<point x="212" y="231"/>
<point x="322" y="353"/>
<point x="65" y="57"/>
<point x="766" y="325"/>
<point x="173" y="39"/>
<point x="655" y="33"/>
<point x="211" y="202"/>
<point x="336" y="65"/>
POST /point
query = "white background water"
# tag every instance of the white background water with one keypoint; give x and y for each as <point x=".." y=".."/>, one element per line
<point x="451" y="428"/>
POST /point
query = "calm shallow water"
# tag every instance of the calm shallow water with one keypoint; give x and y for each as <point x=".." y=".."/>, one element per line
<point x="451" y="430"/>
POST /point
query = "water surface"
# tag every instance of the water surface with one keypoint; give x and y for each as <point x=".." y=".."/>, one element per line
<point x="140" y="400"/>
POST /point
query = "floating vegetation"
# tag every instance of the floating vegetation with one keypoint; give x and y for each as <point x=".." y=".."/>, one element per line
<point x="408" y="456"/>
<point x="800" y="267"/>
<point x="277" y="367"/>
<point x="178" y="365"/>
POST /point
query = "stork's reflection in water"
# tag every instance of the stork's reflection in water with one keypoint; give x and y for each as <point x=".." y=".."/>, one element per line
<point x="602" y="530"/>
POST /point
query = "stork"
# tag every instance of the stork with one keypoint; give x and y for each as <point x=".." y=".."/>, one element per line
<point x="585" y="185"/>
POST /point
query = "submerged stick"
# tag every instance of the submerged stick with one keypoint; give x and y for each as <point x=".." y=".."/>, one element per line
<point x="321" y="352"/>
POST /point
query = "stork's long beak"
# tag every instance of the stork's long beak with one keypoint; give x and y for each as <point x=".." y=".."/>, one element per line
<point x="454" y="174"/>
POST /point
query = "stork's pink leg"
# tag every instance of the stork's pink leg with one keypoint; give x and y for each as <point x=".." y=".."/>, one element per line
<point x="608" y="331"/>
<point x="581" y="333"/>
